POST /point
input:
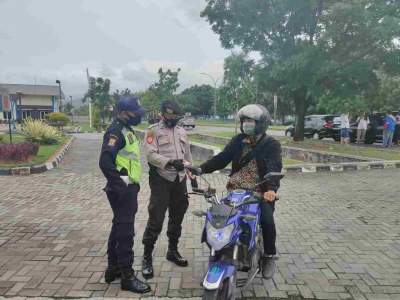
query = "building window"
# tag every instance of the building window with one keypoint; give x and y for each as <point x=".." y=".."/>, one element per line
<point x="26" y="114"/>
<point x="6" y="115"/>
<point x="43" y="115"/>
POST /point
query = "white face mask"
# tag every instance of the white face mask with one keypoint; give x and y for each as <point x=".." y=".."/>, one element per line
<point x="249" y="127"/>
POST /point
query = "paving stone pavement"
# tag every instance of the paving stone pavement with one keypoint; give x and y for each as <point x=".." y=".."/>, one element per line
<point x="338" y="235"/>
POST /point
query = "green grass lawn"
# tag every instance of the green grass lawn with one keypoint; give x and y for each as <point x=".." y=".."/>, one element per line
<point x="286" y="161"/>
<point x="334" y="147"/>
<point x="44" y="153"/>
<point x="329" y="146"/>
<point x="230" y="124"/>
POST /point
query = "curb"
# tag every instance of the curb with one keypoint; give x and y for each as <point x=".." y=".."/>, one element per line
<point x="337" y="167"/>
<point x="51" y="163"/>
<point x="342" y="167"/>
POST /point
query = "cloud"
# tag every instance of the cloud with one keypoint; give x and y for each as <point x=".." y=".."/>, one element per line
<point x="125" y="40"/>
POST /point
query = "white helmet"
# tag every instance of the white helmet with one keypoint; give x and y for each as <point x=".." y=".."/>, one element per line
<point x="258" y="113"/>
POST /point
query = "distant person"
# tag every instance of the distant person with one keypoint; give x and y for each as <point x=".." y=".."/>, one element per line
<point x="396" y="137"/>
<point x="388" y="130"/>
<point x="344" y="129"/>
<point x="362" y="126"/>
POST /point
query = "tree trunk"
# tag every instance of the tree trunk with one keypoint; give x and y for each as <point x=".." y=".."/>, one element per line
<point x="300" y="100"/>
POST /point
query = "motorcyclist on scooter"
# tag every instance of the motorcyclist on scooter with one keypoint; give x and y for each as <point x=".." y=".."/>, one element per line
<point x="253" y="154"/>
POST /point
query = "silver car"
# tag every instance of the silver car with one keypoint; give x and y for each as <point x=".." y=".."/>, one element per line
<point x="188" y="123"/>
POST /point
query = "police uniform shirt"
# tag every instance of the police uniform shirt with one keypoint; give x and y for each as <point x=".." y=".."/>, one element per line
<point x="163" y="144"/>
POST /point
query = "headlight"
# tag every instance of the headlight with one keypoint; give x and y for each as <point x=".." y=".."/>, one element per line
<point x="219" y="238"/>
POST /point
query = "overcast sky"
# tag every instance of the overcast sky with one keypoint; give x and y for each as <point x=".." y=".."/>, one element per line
<point x="124" y="40"/>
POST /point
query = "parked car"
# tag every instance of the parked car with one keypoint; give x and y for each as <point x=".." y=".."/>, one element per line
<point x="188" y="122"/>
<point x="332" y="129"/>
<point x="314" y="126"/>
<point x="374" y="132"/>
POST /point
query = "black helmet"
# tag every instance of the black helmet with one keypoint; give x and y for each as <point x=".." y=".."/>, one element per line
<point x="171" y="107"/>
<point x="257" y="113"/>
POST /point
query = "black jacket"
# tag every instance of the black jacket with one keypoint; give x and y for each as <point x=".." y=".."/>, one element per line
<point x="268" y="156"/>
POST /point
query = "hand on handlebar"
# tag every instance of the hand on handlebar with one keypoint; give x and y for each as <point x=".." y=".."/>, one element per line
<point x="194" y="170"/>
<point x="270" y="196"/>
<point x="177" y="164"/>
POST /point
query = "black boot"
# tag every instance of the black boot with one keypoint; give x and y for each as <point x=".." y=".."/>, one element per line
<point x="112" y="272"/>
<point x="129" y="282"/>
<point x="147" y="264"/>
<point x="268" y="266"/>
<point x="174" y="256"/>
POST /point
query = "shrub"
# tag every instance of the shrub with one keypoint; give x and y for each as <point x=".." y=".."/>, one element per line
<point x="57" y="119"/>
<point x="40" y="132"/>
<point x="18" y="152"/>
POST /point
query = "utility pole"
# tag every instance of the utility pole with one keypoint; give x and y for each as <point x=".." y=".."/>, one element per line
<point x="59" y="87"/>
<point x="275" y="107"/>
<point x="215" y="93"/>
<point x="90" y="100"/>
<point x="72" y="115"/>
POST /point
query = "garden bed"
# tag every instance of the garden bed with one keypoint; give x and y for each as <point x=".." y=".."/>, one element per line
<point x="44" y="154"/>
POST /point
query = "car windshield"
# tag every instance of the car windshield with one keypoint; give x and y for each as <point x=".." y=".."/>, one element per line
<point x="336" y="120"/>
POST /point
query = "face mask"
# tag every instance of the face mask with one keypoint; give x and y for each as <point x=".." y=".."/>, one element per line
<point x="249" y="128"/>
<point x="171" y="122"/>
<point x="134" y="121"/>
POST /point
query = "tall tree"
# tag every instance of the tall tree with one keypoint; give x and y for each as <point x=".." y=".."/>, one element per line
<point x="312" y="47"/>
<point x="238" y="81"/>
<point x="197" y="100"/>
<point x="99" y="93"/>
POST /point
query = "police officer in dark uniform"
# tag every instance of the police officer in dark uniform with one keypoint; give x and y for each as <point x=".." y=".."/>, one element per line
<point x="120" y="162"/>
<point x="167" y="150"/>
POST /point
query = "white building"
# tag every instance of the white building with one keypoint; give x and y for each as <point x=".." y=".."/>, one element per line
<point x="33" y="101"/>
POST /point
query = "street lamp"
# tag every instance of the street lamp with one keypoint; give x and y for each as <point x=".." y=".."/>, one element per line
<point x="59" y="86"/>
<point x="215" y="93"/>
<point x="18" y="109"/>
<point x="72" y="115"/>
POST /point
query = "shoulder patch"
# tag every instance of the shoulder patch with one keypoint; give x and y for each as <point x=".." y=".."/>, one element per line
<point x="112" y="140"/>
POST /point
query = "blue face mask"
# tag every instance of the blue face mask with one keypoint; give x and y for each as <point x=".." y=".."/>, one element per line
<point x="134" y="121"/>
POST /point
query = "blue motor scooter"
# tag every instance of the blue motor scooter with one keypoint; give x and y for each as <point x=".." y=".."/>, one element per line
<point x="233" y="233"/>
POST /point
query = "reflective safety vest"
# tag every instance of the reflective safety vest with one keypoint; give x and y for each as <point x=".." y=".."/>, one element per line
<point x="129" y="157"/>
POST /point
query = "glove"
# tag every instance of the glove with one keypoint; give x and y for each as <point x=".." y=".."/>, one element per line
<point x="177" y="164"/>
<point x="125" y="179"/>
<point x="195" y="170"/>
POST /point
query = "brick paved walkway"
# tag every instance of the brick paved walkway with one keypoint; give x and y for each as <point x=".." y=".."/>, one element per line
<point x="338" y="236"/>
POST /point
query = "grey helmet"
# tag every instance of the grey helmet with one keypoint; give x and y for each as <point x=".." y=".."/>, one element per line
<point x="255" y="112"/>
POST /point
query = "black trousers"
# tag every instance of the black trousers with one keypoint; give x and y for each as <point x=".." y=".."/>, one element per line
<point x="396" y="134"/>
<point x="124" y="205"/>
<point x="268" y="227"/>
<point x="165" y="195"/>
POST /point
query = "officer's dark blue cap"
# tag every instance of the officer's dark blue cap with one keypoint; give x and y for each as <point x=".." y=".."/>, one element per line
<point x="130" y="103"/>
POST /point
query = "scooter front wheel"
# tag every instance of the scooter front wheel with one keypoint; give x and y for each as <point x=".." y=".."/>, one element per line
<point x="220" y="294"/>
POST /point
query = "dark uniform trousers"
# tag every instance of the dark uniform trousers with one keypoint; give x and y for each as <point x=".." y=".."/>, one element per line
<point x="124" y="205"/>
<point x="268" y="227"/>
<point x="165" y="195"/>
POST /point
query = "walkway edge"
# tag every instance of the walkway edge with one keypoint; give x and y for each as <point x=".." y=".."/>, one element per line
<point x="51" y="163"/>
